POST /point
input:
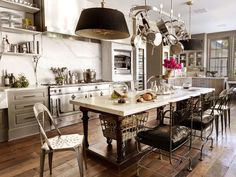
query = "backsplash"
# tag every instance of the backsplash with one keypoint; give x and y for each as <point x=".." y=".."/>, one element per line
<point x="56" y="52"/>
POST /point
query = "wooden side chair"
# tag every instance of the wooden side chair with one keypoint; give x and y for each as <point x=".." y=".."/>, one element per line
<point x="74" y="142"/>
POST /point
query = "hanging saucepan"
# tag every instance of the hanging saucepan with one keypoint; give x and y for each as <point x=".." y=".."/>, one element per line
<point x="172" y="39"/>
<point x="162" y="27"/>
<point x="136" y="39"/>
<point x="177" y="48"/>
<point x="155" y="38"/>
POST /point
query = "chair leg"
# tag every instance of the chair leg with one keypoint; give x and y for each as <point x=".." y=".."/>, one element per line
<point x="225" y="119"/>
<point x="79" y="154"/>
<point x="222" y="123"/>
<point x="50" y="156"/>
<point x="217" y="125"/>
<point x="84" y="154"/>
<point x="229" y="116"/>
<point x="42" y="159"/>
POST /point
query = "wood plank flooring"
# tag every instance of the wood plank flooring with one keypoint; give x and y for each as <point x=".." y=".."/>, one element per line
<point x="20" y="158"/>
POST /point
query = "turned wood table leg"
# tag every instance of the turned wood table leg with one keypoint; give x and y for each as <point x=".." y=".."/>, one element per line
<point x="120" y="147"/>
<point x="85" y="119"/>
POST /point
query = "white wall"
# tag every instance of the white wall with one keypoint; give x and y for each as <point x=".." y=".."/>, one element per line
<point x="56" y="52"/>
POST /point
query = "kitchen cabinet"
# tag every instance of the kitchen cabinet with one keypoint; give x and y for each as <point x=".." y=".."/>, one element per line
<point x="210" y="82"/>
<point x="3" y="125"/>
<point x="179" y="81"/>
<point x="191" y="59"/>
<point x="21" y="117"/>
<point x="117" y="61"/>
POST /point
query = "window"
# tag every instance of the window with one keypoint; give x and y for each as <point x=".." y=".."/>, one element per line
<point x="219" y="56"/>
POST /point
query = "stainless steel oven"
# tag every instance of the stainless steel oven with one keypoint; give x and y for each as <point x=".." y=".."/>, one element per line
<point x="122" y="61"/>
<point x="65" y="113"/>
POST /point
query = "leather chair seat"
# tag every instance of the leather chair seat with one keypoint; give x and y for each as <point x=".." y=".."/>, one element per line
<point x="159" y="137"/>
<point x="198" y="123"/>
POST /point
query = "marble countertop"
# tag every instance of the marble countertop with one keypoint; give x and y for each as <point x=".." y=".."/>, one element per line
<point x="3" y="100"/>
<point x="106" y="104"/>
<point x="5" y="89"/>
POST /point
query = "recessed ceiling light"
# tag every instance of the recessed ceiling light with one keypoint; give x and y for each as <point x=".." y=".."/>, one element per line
<point x="200" y="11"/>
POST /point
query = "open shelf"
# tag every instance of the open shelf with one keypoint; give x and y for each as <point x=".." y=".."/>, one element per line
<point x="20" y="54"/>
<point x="19" y="30"/>
<point x="18" y="6"/>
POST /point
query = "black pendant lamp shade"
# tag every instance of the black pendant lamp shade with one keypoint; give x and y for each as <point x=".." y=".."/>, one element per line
<point x="102" y="23"/>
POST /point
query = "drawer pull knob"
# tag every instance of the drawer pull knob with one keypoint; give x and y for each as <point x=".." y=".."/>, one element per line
<point x="29" y="96"/>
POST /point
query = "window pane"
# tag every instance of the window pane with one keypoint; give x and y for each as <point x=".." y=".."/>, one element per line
<point x="219" y="54"/>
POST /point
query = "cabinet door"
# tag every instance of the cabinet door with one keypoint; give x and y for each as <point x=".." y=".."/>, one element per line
<point x="191" y="59"/>
<point x="3" y="125"/>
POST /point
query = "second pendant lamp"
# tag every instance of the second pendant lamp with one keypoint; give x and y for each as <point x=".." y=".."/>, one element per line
<point x="102" y="23"/>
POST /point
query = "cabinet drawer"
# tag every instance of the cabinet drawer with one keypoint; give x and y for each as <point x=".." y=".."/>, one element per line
<point x="24" y="118"/>
<point x="29" y="96"/>
<point x="27" y="105"/>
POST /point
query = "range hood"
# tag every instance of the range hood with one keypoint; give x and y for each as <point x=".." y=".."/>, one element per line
<point x="192" y="44"/>
<point x="59" y="16"/>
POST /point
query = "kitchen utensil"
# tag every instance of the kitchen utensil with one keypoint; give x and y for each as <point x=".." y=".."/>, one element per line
<point x="162" y="27"/>
<point x="155" y="38"/>
<point x="177" y="48"/>
<point x="89" y="75"/>
<point x="136" y="40"/>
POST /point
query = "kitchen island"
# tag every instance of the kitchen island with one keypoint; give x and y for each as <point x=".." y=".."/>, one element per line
<point x="119" y="156"/>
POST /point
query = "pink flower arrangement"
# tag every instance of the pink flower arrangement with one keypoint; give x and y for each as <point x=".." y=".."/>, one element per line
<point x="171" y="63"/>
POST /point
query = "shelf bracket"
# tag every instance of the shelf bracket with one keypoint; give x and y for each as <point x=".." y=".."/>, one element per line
<point x="35" y="63"/>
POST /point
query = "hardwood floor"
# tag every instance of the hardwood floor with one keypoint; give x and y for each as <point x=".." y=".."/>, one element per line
<point x="21" y="157"/>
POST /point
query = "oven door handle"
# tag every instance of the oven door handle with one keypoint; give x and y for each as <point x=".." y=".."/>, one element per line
<point x="61" y="113"/>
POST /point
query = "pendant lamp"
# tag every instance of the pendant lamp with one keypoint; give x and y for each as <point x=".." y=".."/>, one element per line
<point x="191" y="44"/>
<point x="102" y="23"/>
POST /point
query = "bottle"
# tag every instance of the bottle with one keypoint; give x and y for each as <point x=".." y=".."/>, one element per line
<point x="4" y="45"/>
<point x="155" y="88"/>
<point x="8" y="47"/>
<point x="12" y="79"/>
<point x="6" y="80"/>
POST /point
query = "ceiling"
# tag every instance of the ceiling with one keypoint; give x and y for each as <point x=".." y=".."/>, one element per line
<point x="207" y="15"/>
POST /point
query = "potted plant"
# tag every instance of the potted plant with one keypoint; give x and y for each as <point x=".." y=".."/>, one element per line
<point x="59" y="74"/>
<point x="170" y="64"/>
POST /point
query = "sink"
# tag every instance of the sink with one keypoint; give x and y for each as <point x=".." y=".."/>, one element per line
<point x="3" y="100"/>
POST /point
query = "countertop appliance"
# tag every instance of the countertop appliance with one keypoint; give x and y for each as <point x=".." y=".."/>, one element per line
<point x="60" y="96"/>
<point x="89" y="75"/>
